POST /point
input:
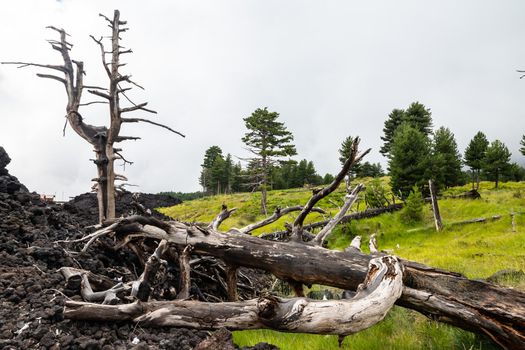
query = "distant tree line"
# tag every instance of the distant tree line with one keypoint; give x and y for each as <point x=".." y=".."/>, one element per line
<point x="415" y="153"/>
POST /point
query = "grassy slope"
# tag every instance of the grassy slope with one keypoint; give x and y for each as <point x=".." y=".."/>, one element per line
<point x="476" y="250"/>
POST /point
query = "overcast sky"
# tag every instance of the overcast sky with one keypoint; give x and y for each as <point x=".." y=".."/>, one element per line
<point x="330" y="68"/>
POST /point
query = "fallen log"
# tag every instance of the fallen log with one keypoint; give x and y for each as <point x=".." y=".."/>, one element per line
<point x="375" y="297"/>
<point x="442" y="295"/>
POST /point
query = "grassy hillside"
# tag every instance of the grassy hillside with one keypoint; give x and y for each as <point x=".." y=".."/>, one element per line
<point x="476" y="250"/>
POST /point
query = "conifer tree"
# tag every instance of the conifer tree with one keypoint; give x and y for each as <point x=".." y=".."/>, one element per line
<point x="475" y="154"/>
<point x="268" y="140"/>
<point x="409" y="159"/>
<point x="496" y="160"/>
<point x="344" y="153"/>
<point x="416" y="115"/>
<point x="395" y="118"/>
<point x="205" y="178"/>
<point x="446" y="160"/>
<point x="522" y="143"/>
<point x="420" y="117"/>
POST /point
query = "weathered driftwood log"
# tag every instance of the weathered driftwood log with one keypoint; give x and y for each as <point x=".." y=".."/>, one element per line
<point x="445" y="296"/>
<point x="382" y="287"/>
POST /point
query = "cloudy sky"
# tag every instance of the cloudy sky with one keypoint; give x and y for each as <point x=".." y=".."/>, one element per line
<point x="330" y="68"/>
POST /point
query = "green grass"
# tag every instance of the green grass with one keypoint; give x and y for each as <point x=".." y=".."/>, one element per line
<point x="475" y="250"/>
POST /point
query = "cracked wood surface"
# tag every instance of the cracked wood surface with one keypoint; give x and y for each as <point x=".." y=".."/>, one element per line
<point x="375" y="297"/>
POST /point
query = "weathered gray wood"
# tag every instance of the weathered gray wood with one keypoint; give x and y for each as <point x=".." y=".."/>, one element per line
<point x="349" y="201"/>
<point x="185" y="273"/>
<point x="502" y="308"/>
<point x="435" y="206"/>
<point x="378" y="293"/>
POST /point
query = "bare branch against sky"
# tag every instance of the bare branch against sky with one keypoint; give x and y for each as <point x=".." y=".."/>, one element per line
<point x="208" y="64"/>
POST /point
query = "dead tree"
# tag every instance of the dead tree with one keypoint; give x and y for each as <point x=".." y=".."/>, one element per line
<point x="444" y="296"/>
<point x="435" y="206"/>
<point x="102" y="138"/>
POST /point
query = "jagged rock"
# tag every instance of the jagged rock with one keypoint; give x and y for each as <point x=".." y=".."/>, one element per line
<point x="4" y="158"/>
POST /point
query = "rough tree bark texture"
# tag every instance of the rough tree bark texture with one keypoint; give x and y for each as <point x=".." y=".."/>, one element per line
<point x="378" y="293"/>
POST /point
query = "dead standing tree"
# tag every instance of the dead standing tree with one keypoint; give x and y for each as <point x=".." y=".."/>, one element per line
<point x="102" y="138"/>
<point x="441" y="295"/>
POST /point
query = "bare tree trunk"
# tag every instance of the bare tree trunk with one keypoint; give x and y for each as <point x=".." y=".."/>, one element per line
<point x="435" y="206"/>
<point x="264" y="210"/>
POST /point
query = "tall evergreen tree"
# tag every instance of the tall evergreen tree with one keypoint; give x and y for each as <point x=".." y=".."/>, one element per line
<point x="217" y="175"/>
<point x="269" y="140"/>
<point x="409" y="159"/>
<point x="496" y="160"/>
<point x="420" y="117"/>
<point x="446" y="160"/>
<point x="522" y="143"/>
<point x="395" y="118"/>
<point x="344" y="153"/>
<point x="210" y="157"/>
<point x="475" y="154"/>
<point x="237" y="178"/>
<point x="416" y="115"/>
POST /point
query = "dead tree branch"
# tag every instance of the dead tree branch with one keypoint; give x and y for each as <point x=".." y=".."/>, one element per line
<point x="354" y="157"/>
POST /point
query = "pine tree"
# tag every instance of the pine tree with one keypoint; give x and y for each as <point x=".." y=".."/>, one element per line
<point x="522" y="143"/>
<point x="328" y="178"/>
<point x="475" y="154"/>
<point x="269" y="140"/>
<point x="420" y="117"/>
<point x="409" y="159"/>
<point x="217" y="175"/>
<point x="210" y="157"/>
<point x="413" y="210"/>
<point x="395" y="118"/>
<point x="496" y="160"/>
<point x="344" y="153"/>
<point x="416" y="115"/>
<point x="446" y="160"/>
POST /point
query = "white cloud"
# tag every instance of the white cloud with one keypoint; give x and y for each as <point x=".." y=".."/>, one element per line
<point x="330" y="69"/>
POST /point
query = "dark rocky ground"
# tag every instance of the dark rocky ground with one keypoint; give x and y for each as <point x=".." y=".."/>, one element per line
<point x="32" y="292"/>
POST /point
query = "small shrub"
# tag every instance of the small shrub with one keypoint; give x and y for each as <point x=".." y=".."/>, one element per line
<point x="376" y="194"/>
<point x="413" y="210"/>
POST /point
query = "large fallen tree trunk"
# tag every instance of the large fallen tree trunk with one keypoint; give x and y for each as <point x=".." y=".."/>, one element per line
<point x="444" y="296"/>
<point x="375" y="297"/>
